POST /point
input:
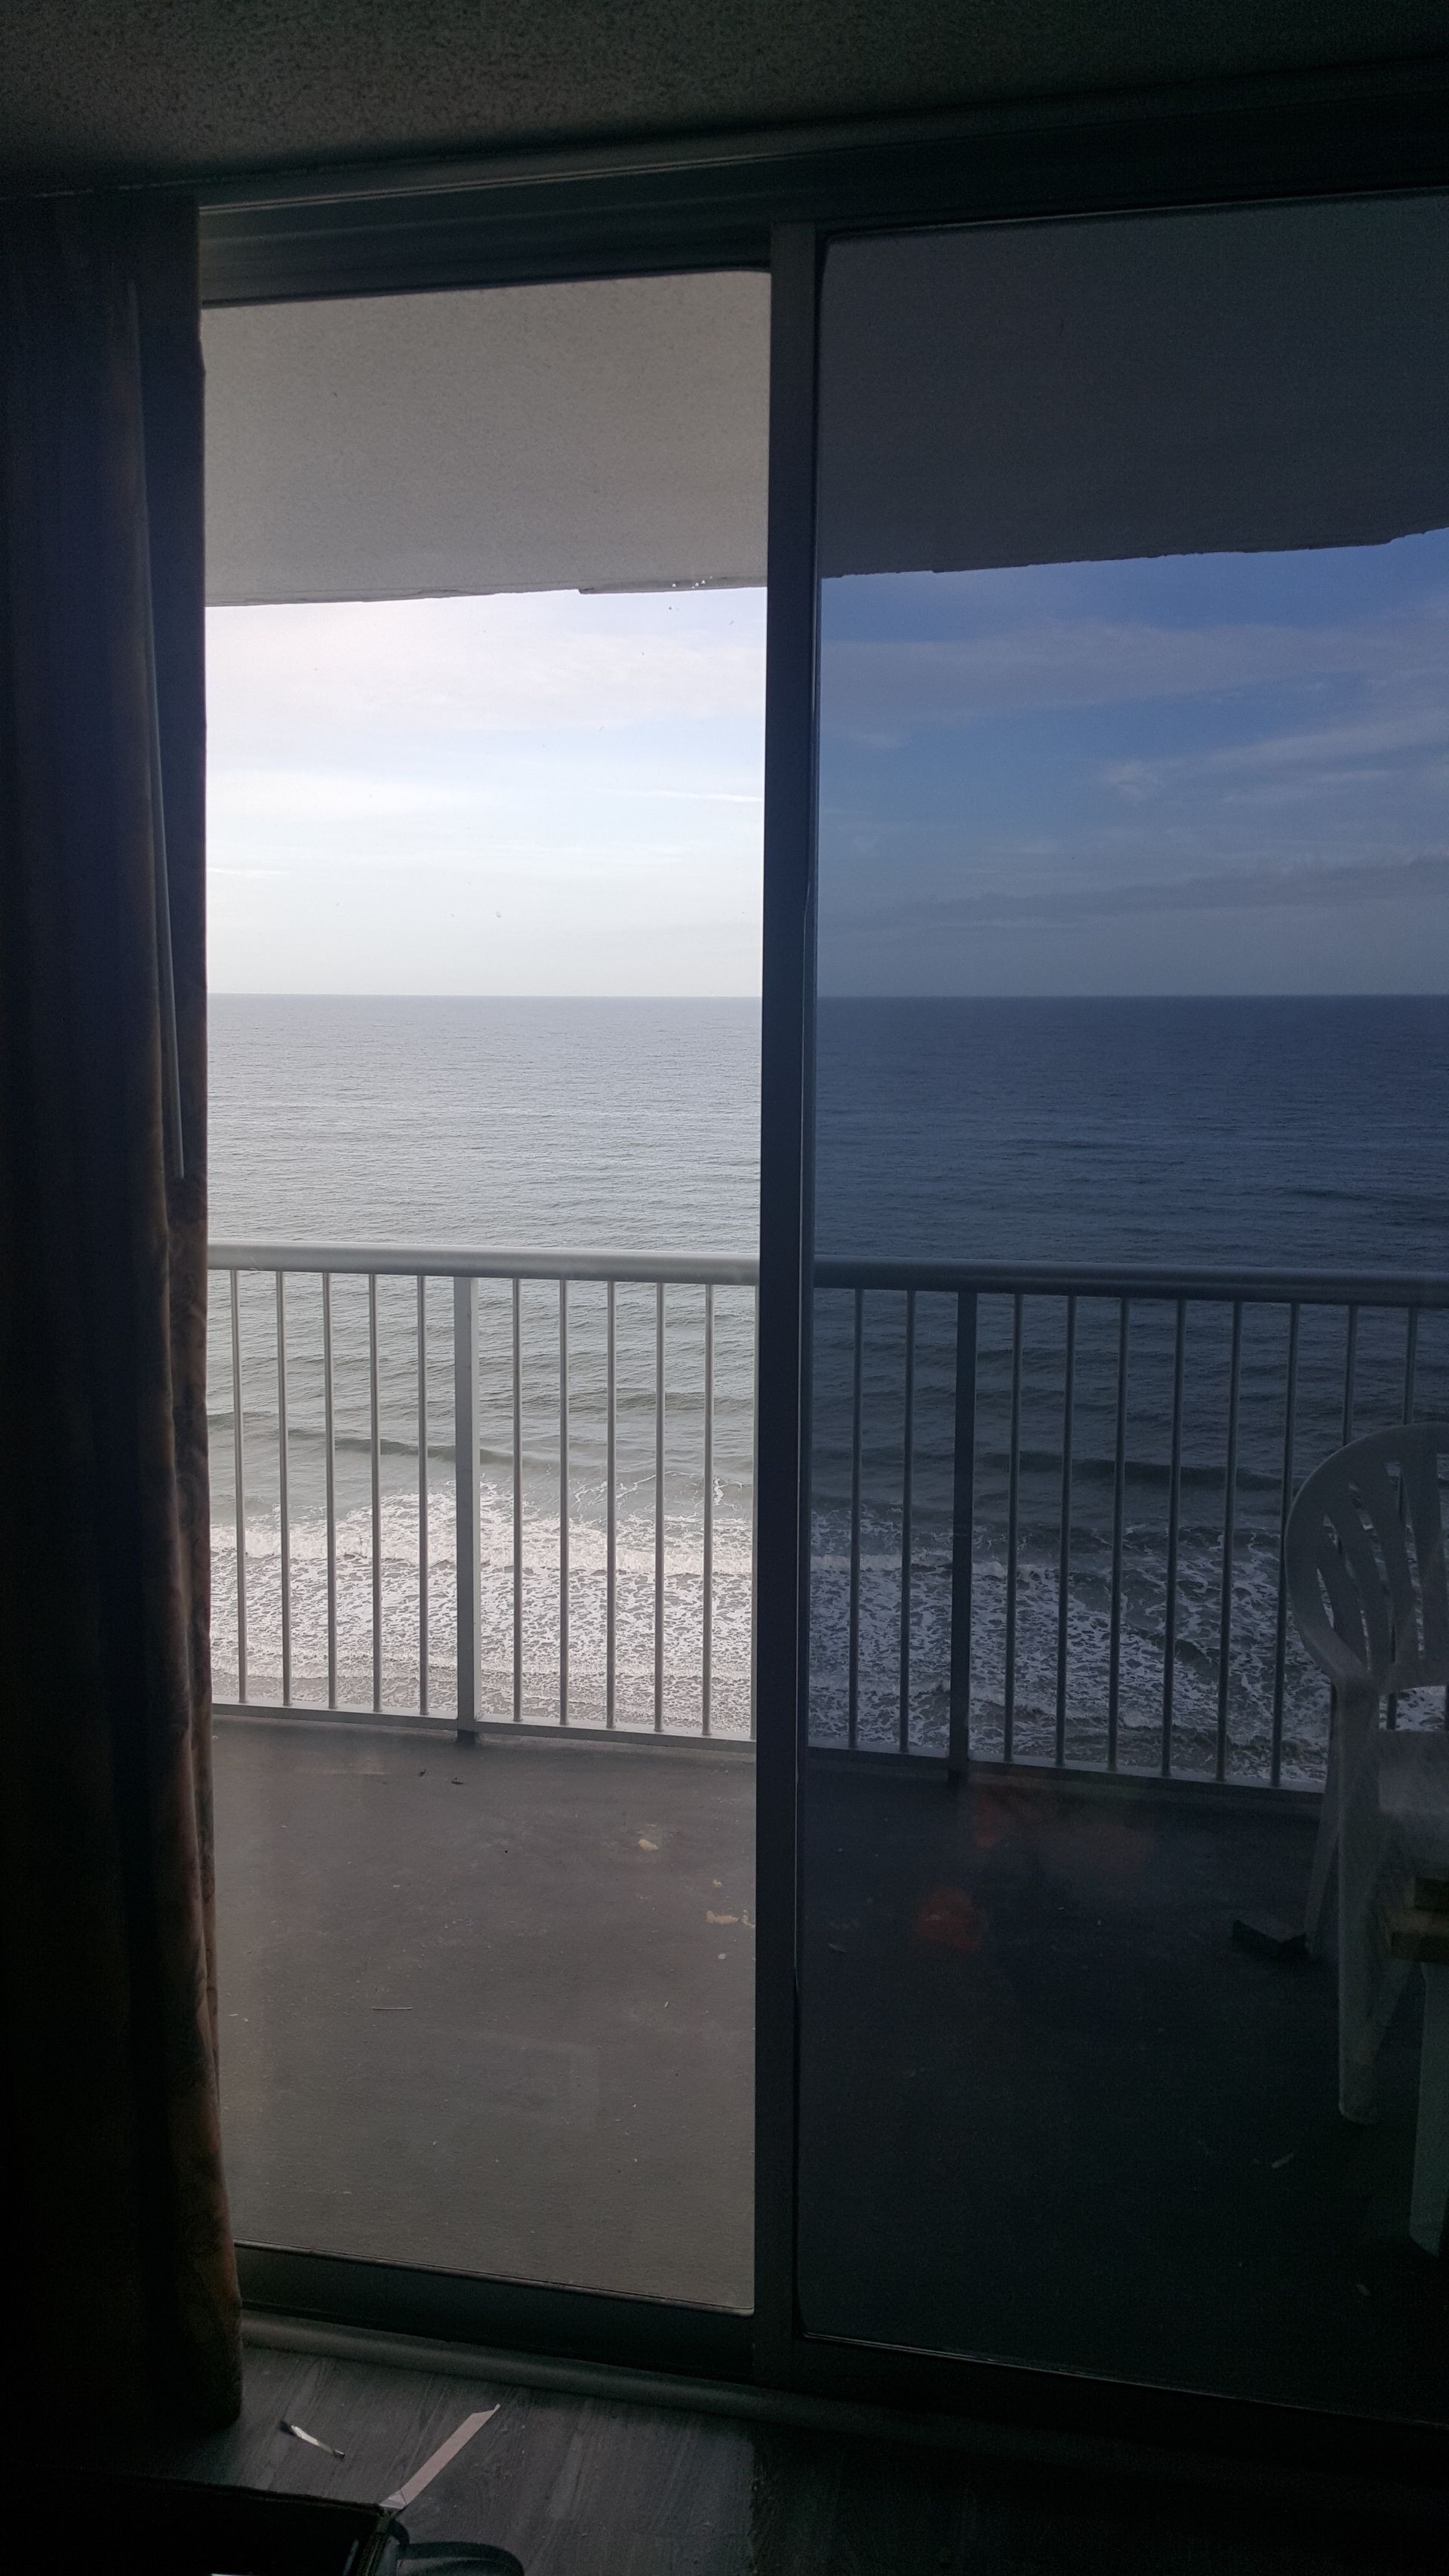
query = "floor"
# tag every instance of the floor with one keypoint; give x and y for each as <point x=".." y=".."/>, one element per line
<point x="588" y="2487"/>
<point x="490" y="2010"/>
<point x="1052" y="2112"/>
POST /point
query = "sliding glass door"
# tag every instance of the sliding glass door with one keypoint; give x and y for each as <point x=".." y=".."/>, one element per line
<point x="486" y="652"/>
<point x="1103" y="1075"/>
<point x="1131" y="1160"/>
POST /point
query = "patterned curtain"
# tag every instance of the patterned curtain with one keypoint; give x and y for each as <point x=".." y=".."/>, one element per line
<point x="121" y="2282"/>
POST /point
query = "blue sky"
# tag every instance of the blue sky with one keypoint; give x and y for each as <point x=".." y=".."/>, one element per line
<point x="1200" y="774"/>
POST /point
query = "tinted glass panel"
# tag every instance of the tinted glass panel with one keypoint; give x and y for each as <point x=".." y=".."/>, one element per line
<point x="1132" y="1152"/>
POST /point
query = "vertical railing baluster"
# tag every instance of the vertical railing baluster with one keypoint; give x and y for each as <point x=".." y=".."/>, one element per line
<point x="376" y="1462"/>
<point x="1350" y="1361"/>
<point x="237" y="1447"/>
<point x="1280" y="1637"/>
<point x="907" y="1471"/>
<point x="1411" y="1356"/>
<point x="329" y="1471"/>
<point x="467" y="1549"/>
<point x="1013" y="1516"/>
<point x="852" y="1648"/>
<point x="706" y="1612"/>
<point x="284" y="1518"/>
<point x="1391" y="1704"/>
<point x="963" y="1531"/>
<point x="1174" y="1519"/>
<point x="517" y="1502"/>
<point x="563" y="1502"/>
<point x="422" y="1495"/>
<point x="1119" y="1510"/>
<point x="611" y="1570"/>
<point x="1230" y="1510"/>
<point x="659" y="1508"/>
<point x="1411" y="1319"/>
<point x="1069" y="1387"/>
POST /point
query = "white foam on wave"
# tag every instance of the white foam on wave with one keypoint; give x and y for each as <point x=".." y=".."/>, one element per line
<point x="400" y="1608"/>
<point x="1249" y="1724"/>
<point x="1248" y="1714"/>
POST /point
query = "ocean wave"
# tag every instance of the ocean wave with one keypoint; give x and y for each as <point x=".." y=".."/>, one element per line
<point x="1033" y="1621"/>
<point x="400" y="1585"/>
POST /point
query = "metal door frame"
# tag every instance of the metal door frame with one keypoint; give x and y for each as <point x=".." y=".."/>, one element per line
<point x="777" y="201"/>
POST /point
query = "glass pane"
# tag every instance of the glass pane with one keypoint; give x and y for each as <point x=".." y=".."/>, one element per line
<point x="486" y="675"/>
<point x="1131" y="1155"/>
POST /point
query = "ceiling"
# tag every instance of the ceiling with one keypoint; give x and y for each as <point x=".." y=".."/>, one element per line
<point x="1168" y="385"/>
<point x="600" y="435"/>
<point x="196" y="88"/>
<point x="1007" y="395"/>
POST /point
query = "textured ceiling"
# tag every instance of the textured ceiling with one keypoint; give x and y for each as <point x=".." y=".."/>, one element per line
<point x="191" y="87"/>
<point x="1178" y="384"/>
<point x="604" y="435"/>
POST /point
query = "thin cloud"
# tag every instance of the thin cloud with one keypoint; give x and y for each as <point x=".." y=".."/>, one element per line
<point x="408" y="668"/>
<point x="872" y="691"/>
<point x="1293" y="889"/>
<point x="333" y="796"/>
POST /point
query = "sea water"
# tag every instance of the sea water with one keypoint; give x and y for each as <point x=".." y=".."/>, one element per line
<point x="487" y="1124"/>
<point x="1248" y="1134"/>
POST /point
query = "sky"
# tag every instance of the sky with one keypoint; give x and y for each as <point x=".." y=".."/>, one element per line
<point x="1210" y="774"/>
<point x="1222" y="773"/>
<point x="550" y="793"/>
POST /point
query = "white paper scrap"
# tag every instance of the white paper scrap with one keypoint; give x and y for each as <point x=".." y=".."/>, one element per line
<point x="430" y="2469"/>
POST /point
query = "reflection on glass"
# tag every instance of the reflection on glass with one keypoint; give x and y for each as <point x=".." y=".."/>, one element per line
<point x="1132" y="1100"/>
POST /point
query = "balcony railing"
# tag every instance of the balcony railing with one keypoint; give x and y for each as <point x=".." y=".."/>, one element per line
<point x="516" y="1489"/>
<point x="528" y="1495"/>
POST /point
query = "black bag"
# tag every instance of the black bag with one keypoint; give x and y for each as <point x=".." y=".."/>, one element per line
<point x="73" y="2519"/>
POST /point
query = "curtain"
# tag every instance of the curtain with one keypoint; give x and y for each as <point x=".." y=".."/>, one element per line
<point x="121" y="2284"/>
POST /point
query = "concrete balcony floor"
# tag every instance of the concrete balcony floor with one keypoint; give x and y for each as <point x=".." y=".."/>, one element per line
<point x="1051" y="2112"/>
<point x="492" y="2011"/>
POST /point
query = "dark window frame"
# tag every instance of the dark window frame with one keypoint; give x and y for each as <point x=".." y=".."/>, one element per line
<point x="775" y="202"/>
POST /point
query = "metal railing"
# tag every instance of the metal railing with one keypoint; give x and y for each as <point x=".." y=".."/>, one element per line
<point x="1048" y="1503"/>
<point x="529" y="1360"/>
<point x="1142" y="1386"/>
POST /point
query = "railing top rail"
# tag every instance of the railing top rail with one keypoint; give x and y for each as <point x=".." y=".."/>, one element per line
<point x="1110" y="1279"/>
<point x="741" y="1269"/>
<point x="431" y="1261"/>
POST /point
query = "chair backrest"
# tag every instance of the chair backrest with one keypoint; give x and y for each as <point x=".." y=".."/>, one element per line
<point x="1364" y="1555"/>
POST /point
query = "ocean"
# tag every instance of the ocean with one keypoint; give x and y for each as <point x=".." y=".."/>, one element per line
<point x="1304" y="1134"/>
<point x="488" y="1123"/>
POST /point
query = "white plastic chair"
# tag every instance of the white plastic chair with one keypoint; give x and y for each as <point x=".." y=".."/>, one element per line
<point x="1366" y="1573"/>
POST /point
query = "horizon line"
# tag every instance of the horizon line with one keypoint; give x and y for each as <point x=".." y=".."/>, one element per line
<point x="1335" y="993"/>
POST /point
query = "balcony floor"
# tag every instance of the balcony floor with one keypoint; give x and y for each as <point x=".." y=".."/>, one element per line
<point x="492" y="2011"/>
<point x="475" y="2014"/>
<point x="1052" y="2113"/>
